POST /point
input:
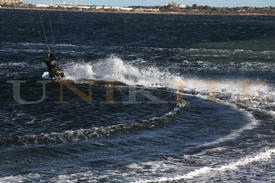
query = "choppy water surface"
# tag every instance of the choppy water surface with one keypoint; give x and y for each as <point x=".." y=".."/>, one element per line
<point x="227" y="59"/>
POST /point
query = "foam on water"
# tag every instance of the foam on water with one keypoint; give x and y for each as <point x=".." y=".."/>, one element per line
<point x="13" y="64"/>
<point x="137" y="170"/>
<point x="258" y="157"/>
<point x="86" y="134"/>
<point x="20" y="50"/>
<point x="115" y="69"/>
<point x="21" y="178"/>
<point x="253" y="123"/>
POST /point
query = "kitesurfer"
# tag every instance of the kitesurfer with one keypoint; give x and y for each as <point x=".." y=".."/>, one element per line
<point x="53" y="66"/>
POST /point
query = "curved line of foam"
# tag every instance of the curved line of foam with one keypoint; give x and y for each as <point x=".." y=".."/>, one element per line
<point x="85" y="134"/>
<point x="262" y="156"/>
<point x="266" y="112"/>
<point x="249" y="126"/>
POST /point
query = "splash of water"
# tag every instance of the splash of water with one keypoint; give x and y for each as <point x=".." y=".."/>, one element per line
<point x="115" y="69"/>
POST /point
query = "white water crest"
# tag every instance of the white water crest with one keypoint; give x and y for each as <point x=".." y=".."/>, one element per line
<point x="230" y="166"/>
<point x="115" y="69"/>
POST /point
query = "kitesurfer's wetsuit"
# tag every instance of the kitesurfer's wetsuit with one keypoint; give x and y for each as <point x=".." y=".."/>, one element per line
<point x="54" y="71"/>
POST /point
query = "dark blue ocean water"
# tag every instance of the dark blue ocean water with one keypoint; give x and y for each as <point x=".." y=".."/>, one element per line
<point x="220" y="68"/>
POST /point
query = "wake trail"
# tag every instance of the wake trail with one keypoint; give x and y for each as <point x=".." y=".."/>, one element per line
<point x="259" y="157"/>
<point x="227" y="92"/>
<point x="86" y="134"/>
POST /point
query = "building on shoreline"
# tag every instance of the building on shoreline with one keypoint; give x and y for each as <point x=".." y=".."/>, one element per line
<point x="42" y="5"/>
<point x="171" y="8"/>
<point x="175" y="5"/>
<point x="10" y="1"/>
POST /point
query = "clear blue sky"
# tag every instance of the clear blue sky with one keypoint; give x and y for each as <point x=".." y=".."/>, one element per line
<point x="218" y="3"/>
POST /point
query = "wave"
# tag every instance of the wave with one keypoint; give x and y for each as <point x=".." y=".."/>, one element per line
<point x="114" y="69"/>
<point x="231" y="66"/>
<point x="36" y="44"/>
<point x="252" y="123"/>
<point x="13" y="64"/>
<point x="257" y="157"/>
<point x="137" y="173"/>
<point x="21" y="178"/>
<point x="87" y="134"/>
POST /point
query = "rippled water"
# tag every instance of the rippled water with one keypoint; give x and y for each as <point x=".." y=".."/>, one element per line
<point x="222" y="67"/>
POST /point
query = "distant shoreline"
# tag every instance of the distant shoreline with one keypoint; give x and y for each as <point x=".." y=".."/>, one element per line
<point x="138" y="12"/>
